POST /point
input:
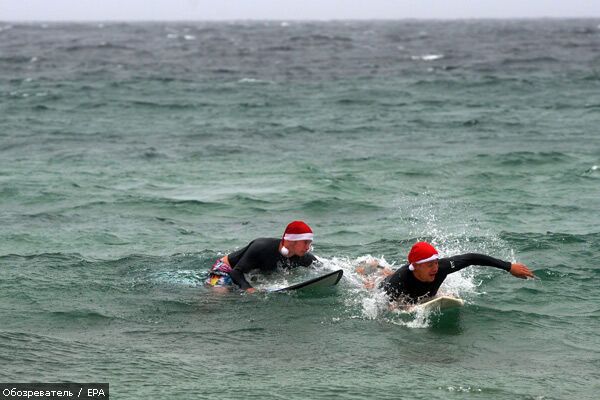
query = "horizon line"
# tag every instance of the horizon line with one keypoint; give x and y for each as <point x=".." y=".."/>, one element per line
<point x="301" y="20"/>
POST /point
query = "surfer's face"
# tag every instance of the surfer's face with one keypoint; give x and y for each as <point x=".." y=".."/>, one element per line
<point x="299" y="247"/>
<point x="426" y="272"/>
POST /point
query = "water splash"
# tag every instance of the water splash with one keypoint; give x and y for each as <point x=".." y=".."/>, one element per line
<point x="451" y="226"/>
<point x="372" y="303"/>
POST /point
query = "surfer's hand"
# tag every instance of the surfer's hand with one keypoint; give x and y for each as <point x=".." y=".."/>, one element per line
<point x="250" y="290"/>
<point x="521" y="271"/>
<point x="369" y="283"/>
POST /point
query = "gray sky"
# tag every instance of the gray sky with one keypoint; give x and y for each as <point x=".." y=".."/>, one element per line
<point x="153" y="10"/>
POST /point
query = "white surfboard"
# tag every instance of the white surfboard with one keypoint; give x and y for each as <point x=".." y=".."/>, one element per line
<point x="440" y="303"/>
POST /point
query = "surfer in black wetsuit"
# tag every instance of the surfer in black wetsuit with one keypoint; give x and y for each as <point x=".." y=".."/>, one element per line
<point x="265" y="255"/>
<point x="424" y="274"/>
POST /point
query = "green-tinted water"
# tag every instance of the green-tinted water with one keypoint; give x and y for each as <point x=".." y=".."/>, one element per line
<point x="132" y="155"/>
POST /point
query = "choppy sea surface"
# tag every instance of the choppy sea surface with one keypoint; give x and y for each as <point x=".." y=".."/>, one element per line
<point x="133" y="155"/>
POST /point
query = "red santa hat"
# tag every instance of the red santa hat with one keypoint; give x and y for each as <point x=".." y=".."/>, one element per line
<point x="298" y="230"/>
<point x="421" y="252"/>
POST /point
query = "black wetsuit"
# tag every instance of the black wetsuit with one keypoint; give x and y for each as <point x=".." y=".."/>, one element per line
<point x="403" y="285"/>
<point x="262" y="254"/>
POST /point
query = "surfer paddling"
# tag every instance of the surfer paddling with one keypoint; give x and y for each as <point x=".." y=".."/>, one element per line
<point x="264" y="255"/>
<point x="422" y="276"/>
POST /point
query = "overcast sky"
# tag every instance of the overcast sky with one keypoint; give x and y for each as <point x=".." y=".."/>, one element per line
<point x="161" y="10"/>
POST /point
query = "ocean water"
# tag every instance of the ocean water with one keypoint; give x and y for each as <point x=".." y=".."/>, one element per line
<point x="133" y="155"/>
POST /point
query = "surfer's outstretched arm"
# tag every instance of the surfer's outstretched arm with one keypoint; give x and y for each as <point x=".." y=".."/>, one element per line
<point x="464" y="260"/>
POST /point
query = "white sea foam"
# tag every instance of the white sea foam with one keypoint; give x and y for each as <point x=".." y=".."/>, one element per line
<point x="371" y="259"/>
<point x="418" y="319"/>
<point x="189" y="37"/>
<point x="349" y="267"/>
<point x="462" y="389"/>
<point x="253" y="80"/>
<point x="172" y="36"/>
<point x="273" y="284"/>
<point x="428" y="57"/>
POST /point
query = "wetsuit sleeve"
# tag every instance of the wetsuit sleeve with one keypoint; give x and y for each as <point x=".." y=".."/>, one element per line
<point x="237" y="276"/>
<point x="244" y="263"/>
<point x="461" y="261"/>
